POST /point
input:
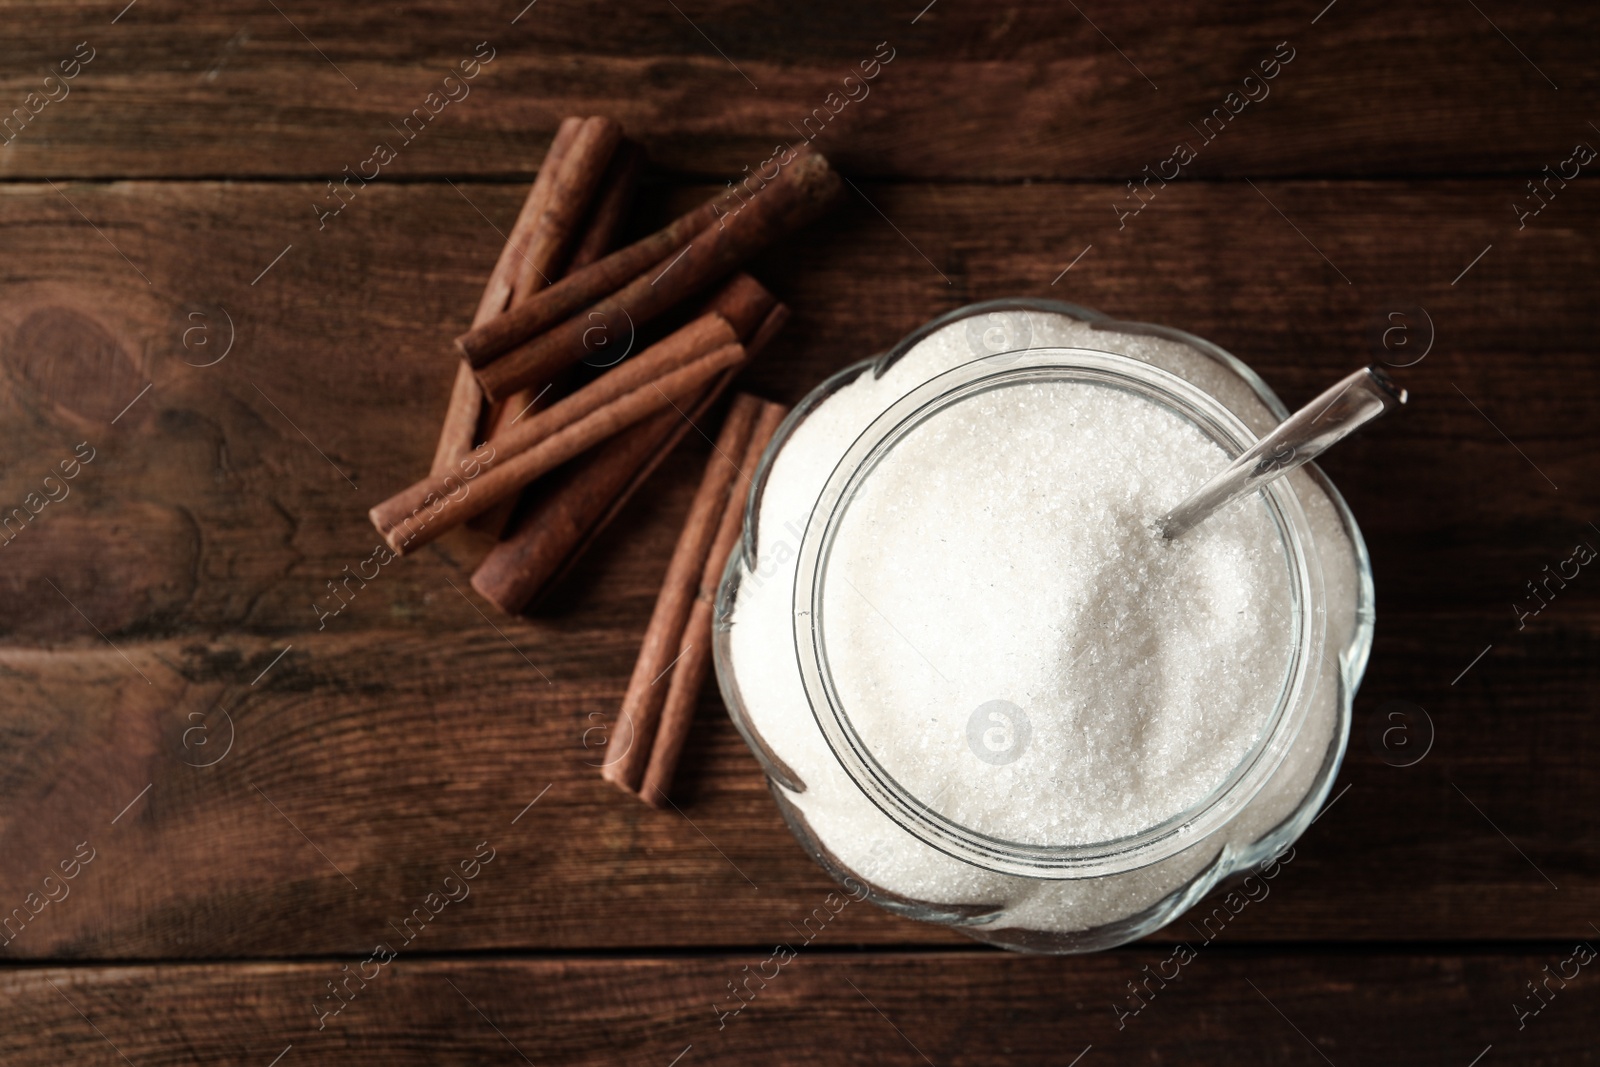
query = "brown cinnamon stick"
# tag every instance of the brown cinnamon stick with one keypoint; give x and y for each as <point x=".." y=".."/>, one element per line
<point x="694" y="649"/>
<point x="611" y="206"/>
<point x="497" y="295"/>
<point x="607" y="209"/>
<point x="581" y="288"/>
<point x="416" y="516"/>
<point x="698" y="337"/>
<point x="569" y="196"/>
<point x="628" y="750"/>
<point x="572" y="512"/>
<point x="567" y="518"/>
<point x="694" y="340"/>
<point x="606" y="216"/>
<point x="460" y="427"/>
<point x="799" y="192"/>
<point x="744" y="302"/>
<point x="572" y="192"/>
<point x="461" y="418"/>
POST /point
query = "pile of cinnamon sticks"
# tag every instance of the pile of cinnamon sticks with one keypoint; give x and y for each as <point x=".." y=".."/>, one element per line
<point x="557" y="298"/>
<point x="526" y="421"/>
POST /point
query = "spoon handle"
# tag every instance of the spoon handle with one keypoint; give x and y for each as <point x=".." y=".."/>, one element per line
<point x="1330" y="418"/>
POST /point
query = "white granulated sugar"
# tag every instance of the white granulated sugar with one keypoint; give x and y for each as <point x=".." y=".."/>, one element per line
<point x="1002" y="551"/>
<point x="1004" y="540"/>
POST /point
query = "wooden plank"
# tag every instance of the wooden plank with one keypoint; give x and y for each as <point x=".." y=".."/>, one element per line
<point x="258" y="469"/>
<point x="970" y="1008"/>
<point x="219" y="504"/>
<point x="360" y="772"/>
<point x="1033" y="91"/>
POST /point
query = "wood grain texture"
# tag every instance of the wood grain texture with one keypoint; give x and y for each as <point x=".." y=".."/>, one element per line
<point x="1229" y="1006"/>
<point x="256" y="777"/>
<point x="370" y="759"/>
<point x="1030" y="90"/>
<point x="220" y="505"/>
<point x="268" y="454"/>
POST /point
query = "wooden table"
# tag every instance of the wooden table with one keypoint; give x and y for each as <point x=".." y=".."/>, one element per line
<point x="259" y="798"/>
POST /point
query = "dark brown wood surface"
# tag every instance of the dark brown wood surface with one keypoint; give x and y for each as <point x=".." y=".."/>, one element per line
<point x="839" y="1007"/>
<point x="263" y="791"/>
<point x="1027" y="90"/>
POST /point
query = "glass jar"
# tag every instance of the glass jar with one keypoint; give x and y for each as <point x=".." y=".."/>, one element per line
<point x="867" y="811"/>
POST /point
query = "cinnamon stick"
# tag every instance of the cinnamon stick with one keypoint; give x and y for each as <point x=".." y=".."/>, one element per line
<point x="569" y="194"/>
<point x="498" y="295"/>
<point x="611" y="205"/>
<point x="567" y="518"/>
<point x="416" y="516"/>
<point x="606" y="216"/>
<point x="692" y="341"/>
<point x="744" y="302"/>
<point x="578" y="290"/>
<point x="607" y="209"/>
<point x="799" y="192"/>
<point x="694" y="650"/>
<point x="461" y="418"/>
<point x="571" y="513"/>
<point x="460" y="427"/>
<point x="628" y="751"/>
